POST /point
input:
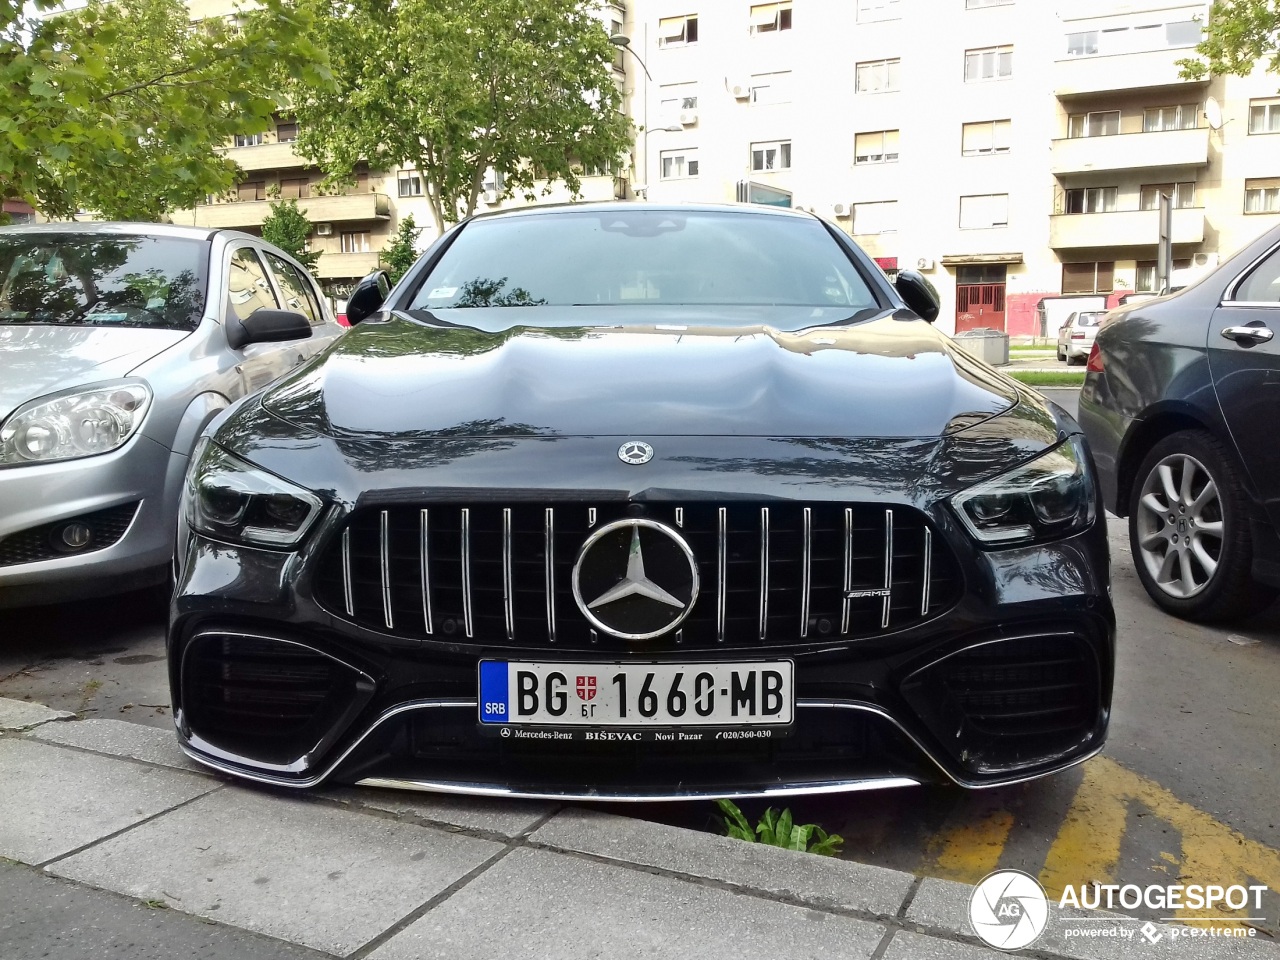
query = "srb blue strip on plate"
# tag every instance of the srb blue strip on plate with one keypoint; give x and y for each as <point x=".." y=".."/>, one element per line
<point x="493" y="691"/>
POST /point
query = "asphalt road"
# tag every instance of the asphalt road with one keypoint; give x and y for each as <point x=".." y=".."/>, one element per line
<point x="1184" y="792"/>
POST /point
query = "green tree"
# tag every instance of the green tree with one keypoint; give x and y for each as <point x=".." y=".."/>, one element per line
<point x="401" y="253"/>
<point x="1239" y="34"/>
<point x="288" y="228"/>
<point x="117" y="107"/>
<point x="456" y="87"/>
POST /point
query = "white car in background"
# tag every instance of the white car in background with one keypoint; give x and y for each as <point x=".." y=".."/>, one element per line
<point x="1075" y="339"/>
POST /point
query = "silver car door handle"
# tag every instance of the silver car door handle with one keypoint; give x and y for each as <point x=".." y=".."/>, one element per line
<point x="1248" y="335"/>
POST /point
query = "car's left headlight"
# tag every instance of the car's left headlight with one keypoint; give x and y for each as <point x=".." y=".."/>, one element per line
<point x="79" y="423"/>
<point x="1049" y="497"/>
<point x="230" y="499"/>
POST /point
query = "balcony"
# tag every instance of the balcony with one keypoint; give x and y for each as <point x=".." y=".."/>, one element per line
<point x="1123" y="228"/>
<point x="251" y="213"/>
<point x="266" y="156"/>
<point x="1147" y="70"/>
<point x="346" y="266"/>
<point x="1128" y="151"/>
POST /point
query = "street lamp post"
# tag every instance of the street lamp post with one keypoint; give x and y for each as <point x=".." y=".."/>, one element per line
<point x="624" y="43"/>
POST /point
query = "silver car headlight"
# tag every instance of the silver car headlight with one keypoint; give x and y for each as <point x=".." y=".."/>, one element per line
<point x="79" y="423"/>
<point x="230" y="499"/>
<point x="1050" y="497"/>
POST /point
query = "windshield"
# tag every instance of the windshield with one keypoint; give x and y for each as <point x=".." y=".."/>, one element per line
<point x="646" y="258"/>
<point x="1089" y="319"/>
<point x="105" y="280"/>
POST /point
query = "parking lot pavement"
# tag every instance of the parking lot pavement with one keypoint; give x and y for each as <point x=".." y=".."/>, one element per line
<point x="344" y="874"/>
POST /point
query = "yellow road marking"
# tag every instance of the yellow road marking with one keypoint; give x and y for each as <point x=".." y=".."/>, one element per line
<point x="970" y="850"/>
<point x="1087" y="847"/>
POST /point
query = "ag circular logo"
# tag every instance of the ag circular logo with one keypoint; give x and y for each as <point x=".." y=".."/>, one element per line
<point x="1008" y="909"/>
<point x="635" y="579"/>
<point x="635" y="452"/>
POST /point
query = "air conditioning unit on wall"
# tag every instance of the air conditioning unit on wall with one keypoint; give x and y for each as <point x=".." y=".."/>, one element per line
<point x="324" y="229"/>
<point x="840" y="209"/>
<point x="688" y="117"/>
<point x="741" y="89"/>
<point x="924" y="263"/>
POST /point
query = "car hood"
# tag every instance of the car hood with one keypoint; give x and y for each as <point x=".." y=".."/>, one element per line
<point x="36" y="359"/>
<point x="402" y="379"/>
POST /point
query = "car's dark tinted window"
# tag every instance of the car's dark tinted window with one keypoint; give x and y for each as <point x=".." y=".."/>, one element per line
<point x="1263" y="284"/>
<point x="644" y="257"/>
<point x="106" y="280"/>
<point x="248" y="289"/>
<point x="297" y="292"/>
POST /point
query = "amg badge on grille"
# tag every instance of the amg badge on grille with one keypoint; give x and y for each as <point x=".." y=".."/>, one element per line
<point x="635" y="452"/>
<point x="635" y="579"/>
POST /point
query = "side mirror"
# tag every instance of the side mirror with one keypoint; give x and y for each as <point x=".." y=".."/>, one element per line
<point x="368" y="296"/>
<point x="918" y="294"/>
<point x="267" y="326"/>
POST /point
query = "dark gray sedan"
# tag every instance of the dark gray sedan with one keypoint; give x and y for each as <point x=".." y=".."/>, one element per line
<point x="1180" y="405"/>
<point x="118" y="344"/>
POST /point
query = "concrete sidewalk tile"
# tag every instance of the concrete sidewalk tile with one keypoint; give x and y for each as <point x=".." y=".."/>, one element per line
<point x="287" y="867"/>
<point x="916" y="946"/>
<point x="19" y="715"/>
<point x="821" y="881"/>
<point x="120" y="739"/>
<point x="942" y="904"/>
<point x="54" y="800"/>
<point x="538" y="904"/>
<point x="510" y="818"/>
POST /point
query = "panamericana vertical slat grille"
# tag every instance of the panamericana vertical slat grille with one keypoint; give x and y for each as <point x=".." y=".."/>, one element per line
<point x="770" y="572"/>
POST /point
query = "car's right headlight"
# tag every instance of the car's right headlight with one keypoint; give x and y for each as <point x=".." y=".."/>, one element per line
<point x="230" y="499"/>
<point x="1049" y="497"/>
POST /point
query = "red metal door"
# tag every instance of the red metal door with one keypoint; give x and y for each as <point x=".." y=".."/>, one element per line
<point x="979" y="305"/>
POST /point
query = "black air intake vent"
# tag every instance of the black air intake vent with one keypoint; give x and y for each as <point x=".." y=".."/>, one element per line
<point x="769" y="572"/>
<point x="45" y="542"/>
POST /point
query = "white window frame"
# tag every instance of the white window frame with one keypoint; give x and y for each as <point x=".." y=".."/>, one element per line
<point x="684" y="157"/>
<point x="1265" y="193"/>
<point x="1100" y="199"/>
<point x="406" y="180"/>
<point x="874" y="11"/>
<point x="1182" y="113"/>
<point x="1001" y="54"/>
<point x="771" y="88"/>
<point x="883" y="215"/>
<point x="867" y="150"/>
<point x="248" y="140"/>
<point x="349" y="244"/>
<point x="1183" y="195"/>
<point x="770" y="18"/>
<point x="996" y="136"/>
<point x="1091" y="124"/>
<point x="986" y="211"/>
<point x="1270" y="114"/>
<point x="669" y="37"/>
<point x="888" y="69"/>
<point x="782" y="153"/>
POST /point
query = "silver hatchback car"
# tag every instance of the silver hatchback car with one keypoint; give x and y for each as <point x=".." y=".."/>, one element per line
<point x="118" y="343"/>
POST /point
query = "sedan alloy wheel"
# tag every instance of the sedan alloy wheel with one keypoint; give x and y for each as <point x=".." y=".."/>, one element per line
<point x="1179" y="525"/>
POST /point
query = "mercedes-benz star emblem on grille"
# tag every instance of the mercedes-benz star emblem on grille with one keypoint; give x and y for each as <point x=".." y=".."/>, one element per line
<point x="635" y="452"/>
<point x="635" y="579"/>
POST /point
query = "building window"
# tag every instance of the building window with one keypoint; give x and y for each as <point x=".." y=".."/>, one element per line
<point x="876" y="217"/>
<point x="984" y="138"/>
<point x="771" y="87"/>
<point x="252" y="190"/>
<point x="984" y="212"/>
<point x="295" y="189"/>
<point x="675" y="98"/>
<point x="408" y="184"/>
<point x="773" y="155"/>
<point x="678" y="31"/>
<point x="877" y="76"/>
<point x="1101" y="123"/>
<point x="1146" y="277"/>
<point x="1262" y="196"/>
<point x="619" y="54"/>
<point x="357" y="241"/>
<point x="598" y="169"/>
<point x="870" y="11"/>
<point x="1091" y="200"/>
<point x="988" y="63"/>
<point x="286" y="132"/>
<point x="679" y="164"/>
<point x="1182" y="116"/>
<point x="1183" y="195"/>
<point x="1147" y="36"/>
<point x="248" y="139"/>
<point x="1089" y="277"/>
<point x="771" y="17"/>
<point x="979" y="4"/>
<point x="878" y="146"/>
<point x="1264" y="115"/>
<point x="1084" y="43"/>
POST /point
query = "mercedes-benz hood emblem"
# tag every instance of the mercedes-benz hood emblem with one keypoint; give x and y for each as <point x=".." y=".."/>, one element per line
<point x="635" y="579"/>
<point x="635" y="452"/>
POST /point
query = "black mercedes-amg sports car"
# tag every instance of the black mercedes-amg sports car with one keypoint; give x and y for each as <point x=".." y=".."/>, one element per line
<point x="630" y="501"/>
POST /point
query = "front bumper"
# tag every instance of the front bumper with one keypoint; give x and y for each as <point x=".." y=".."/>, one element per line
<point x="270" y="686"/>
<point x="132" y="493"/>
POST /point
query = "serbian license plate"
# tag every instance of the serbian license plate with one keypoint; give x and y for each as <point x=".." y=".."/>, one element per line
<point x="636" y="694"/>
